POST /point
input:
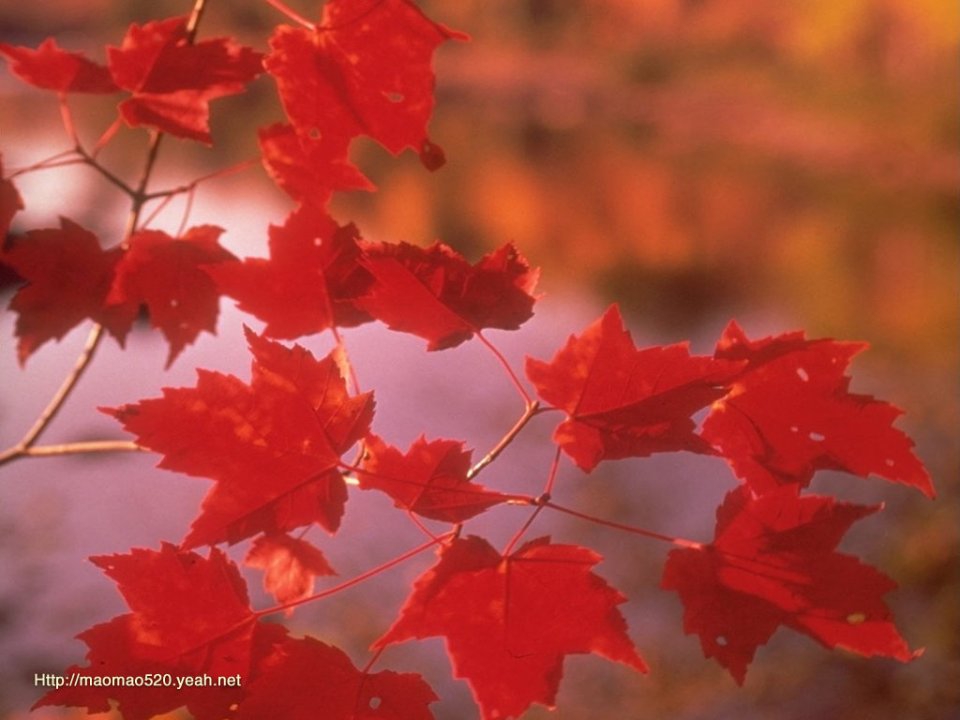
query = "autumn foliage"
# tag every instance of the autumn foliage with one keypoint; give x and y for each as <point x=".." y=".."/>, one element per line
<point x="285" y="447"/>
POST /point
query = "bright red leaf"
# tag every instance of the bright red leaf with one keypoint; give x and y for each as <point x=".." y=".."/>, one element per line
<point x="626" y="402"/>
<point x="509" y="622"/>
<point x="436" y="294"/>
<point x="52" y="68"/>
<point x="190" y="615"/>
<point x="290" y="565"/>
<point x="10" y="204"/>
<point x="309" y="172"/>
<point x="307" y="680"/>
<point x="68" y="276"/>
<point x="71" y="279"/>
<point x="174" y="79"/>
<point x="273" y="446"/>
<point x="309" y="283"/>
<point x="365" y="70"/>
<point x="773" y="562"/>
<point x="790" y="414"/>
<point x="430" y="479"/>
<point x="164" y="274"/>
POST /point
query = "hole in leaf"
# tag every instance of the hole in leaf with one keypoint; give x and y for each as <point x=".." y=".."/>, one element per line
<point x="374" y="703"/>
<point x="856" y="618"/>
<point x="817" y="437"/>
<point x="722" y="641"/>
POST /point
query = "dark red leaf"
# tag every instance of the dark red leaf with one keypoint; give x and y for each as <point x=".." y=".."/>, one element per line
<point x="164" y="274"/>
<point x="173" y="80"/>
<point x="272" y="446"/>
<point x="430" y="479"/>
<point x="290" y="565"/>
<point x="773" y="562"/>
<point x="10" y="204"/>
<point x="432" y="156"/>
<point x="510" y="622"/>
<point x="309" y="283"/>
<point x="51" y="68"/>
<point x="68" y="276"/>
<point x="309" y="680"/>
<point x="436" y="294"/>
<point x="790" y="414"/>
<point x="625" y="402"/>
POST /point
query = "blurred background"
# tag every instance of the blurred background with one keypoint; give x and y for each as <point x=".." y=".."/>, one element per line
<point x="790" y="165"/>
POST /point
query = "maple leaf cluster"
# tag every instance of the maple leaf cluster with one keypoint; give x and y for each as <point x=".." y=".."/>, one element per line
<point x="276" y="447"/>
<point x="71" y="278"/>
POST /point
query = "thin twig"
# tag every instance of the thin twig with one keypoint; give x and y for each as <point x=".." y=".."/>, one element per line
<point x="50" y="162"/>
<point x="53" y="407"/>
<point x="193" y="22"/>
<point x="140" y="195"/>
<point x="540" y="503"/>
<point x="109" y="176"/>
<point x="107" y="136"/>
<point x="358" y="578"/>
<point x="520" y="533"/>
<point x="292" y="14"/>
<point x="506" y="366"/>
<point x="190" y="186"/>
<point x="680" y="542"/>
<point x="67" y="118"/>
<point x="531" y="409"/>
<point x="77" y="448"/>
<point x="552" y="477"/>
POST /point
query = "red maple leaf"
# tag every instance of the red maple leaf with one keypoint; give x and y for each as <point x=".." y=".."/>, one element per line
<point x="626" y="402"/>
<point x="52" y="68"/>
<point x="773" y="562"/>
<point x="790" y="414"/>
<point x="307" y="679"/>
<point x="68" y="276"/>
<point x="509" y="622"/>
<point x="436" y="294"/>
<point x="164" y="274"/>
<point x="430" y="479"/>
<point x="365" y="70"/>
<point x="273" y="446"/>
<point x="174" y="79"/>
<point x="310" y="281"/>
<point x="190" y="615"/>
<point x="10" y="204"/>
<point x="290" y="565"/>
<point x="307" y="171"/>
